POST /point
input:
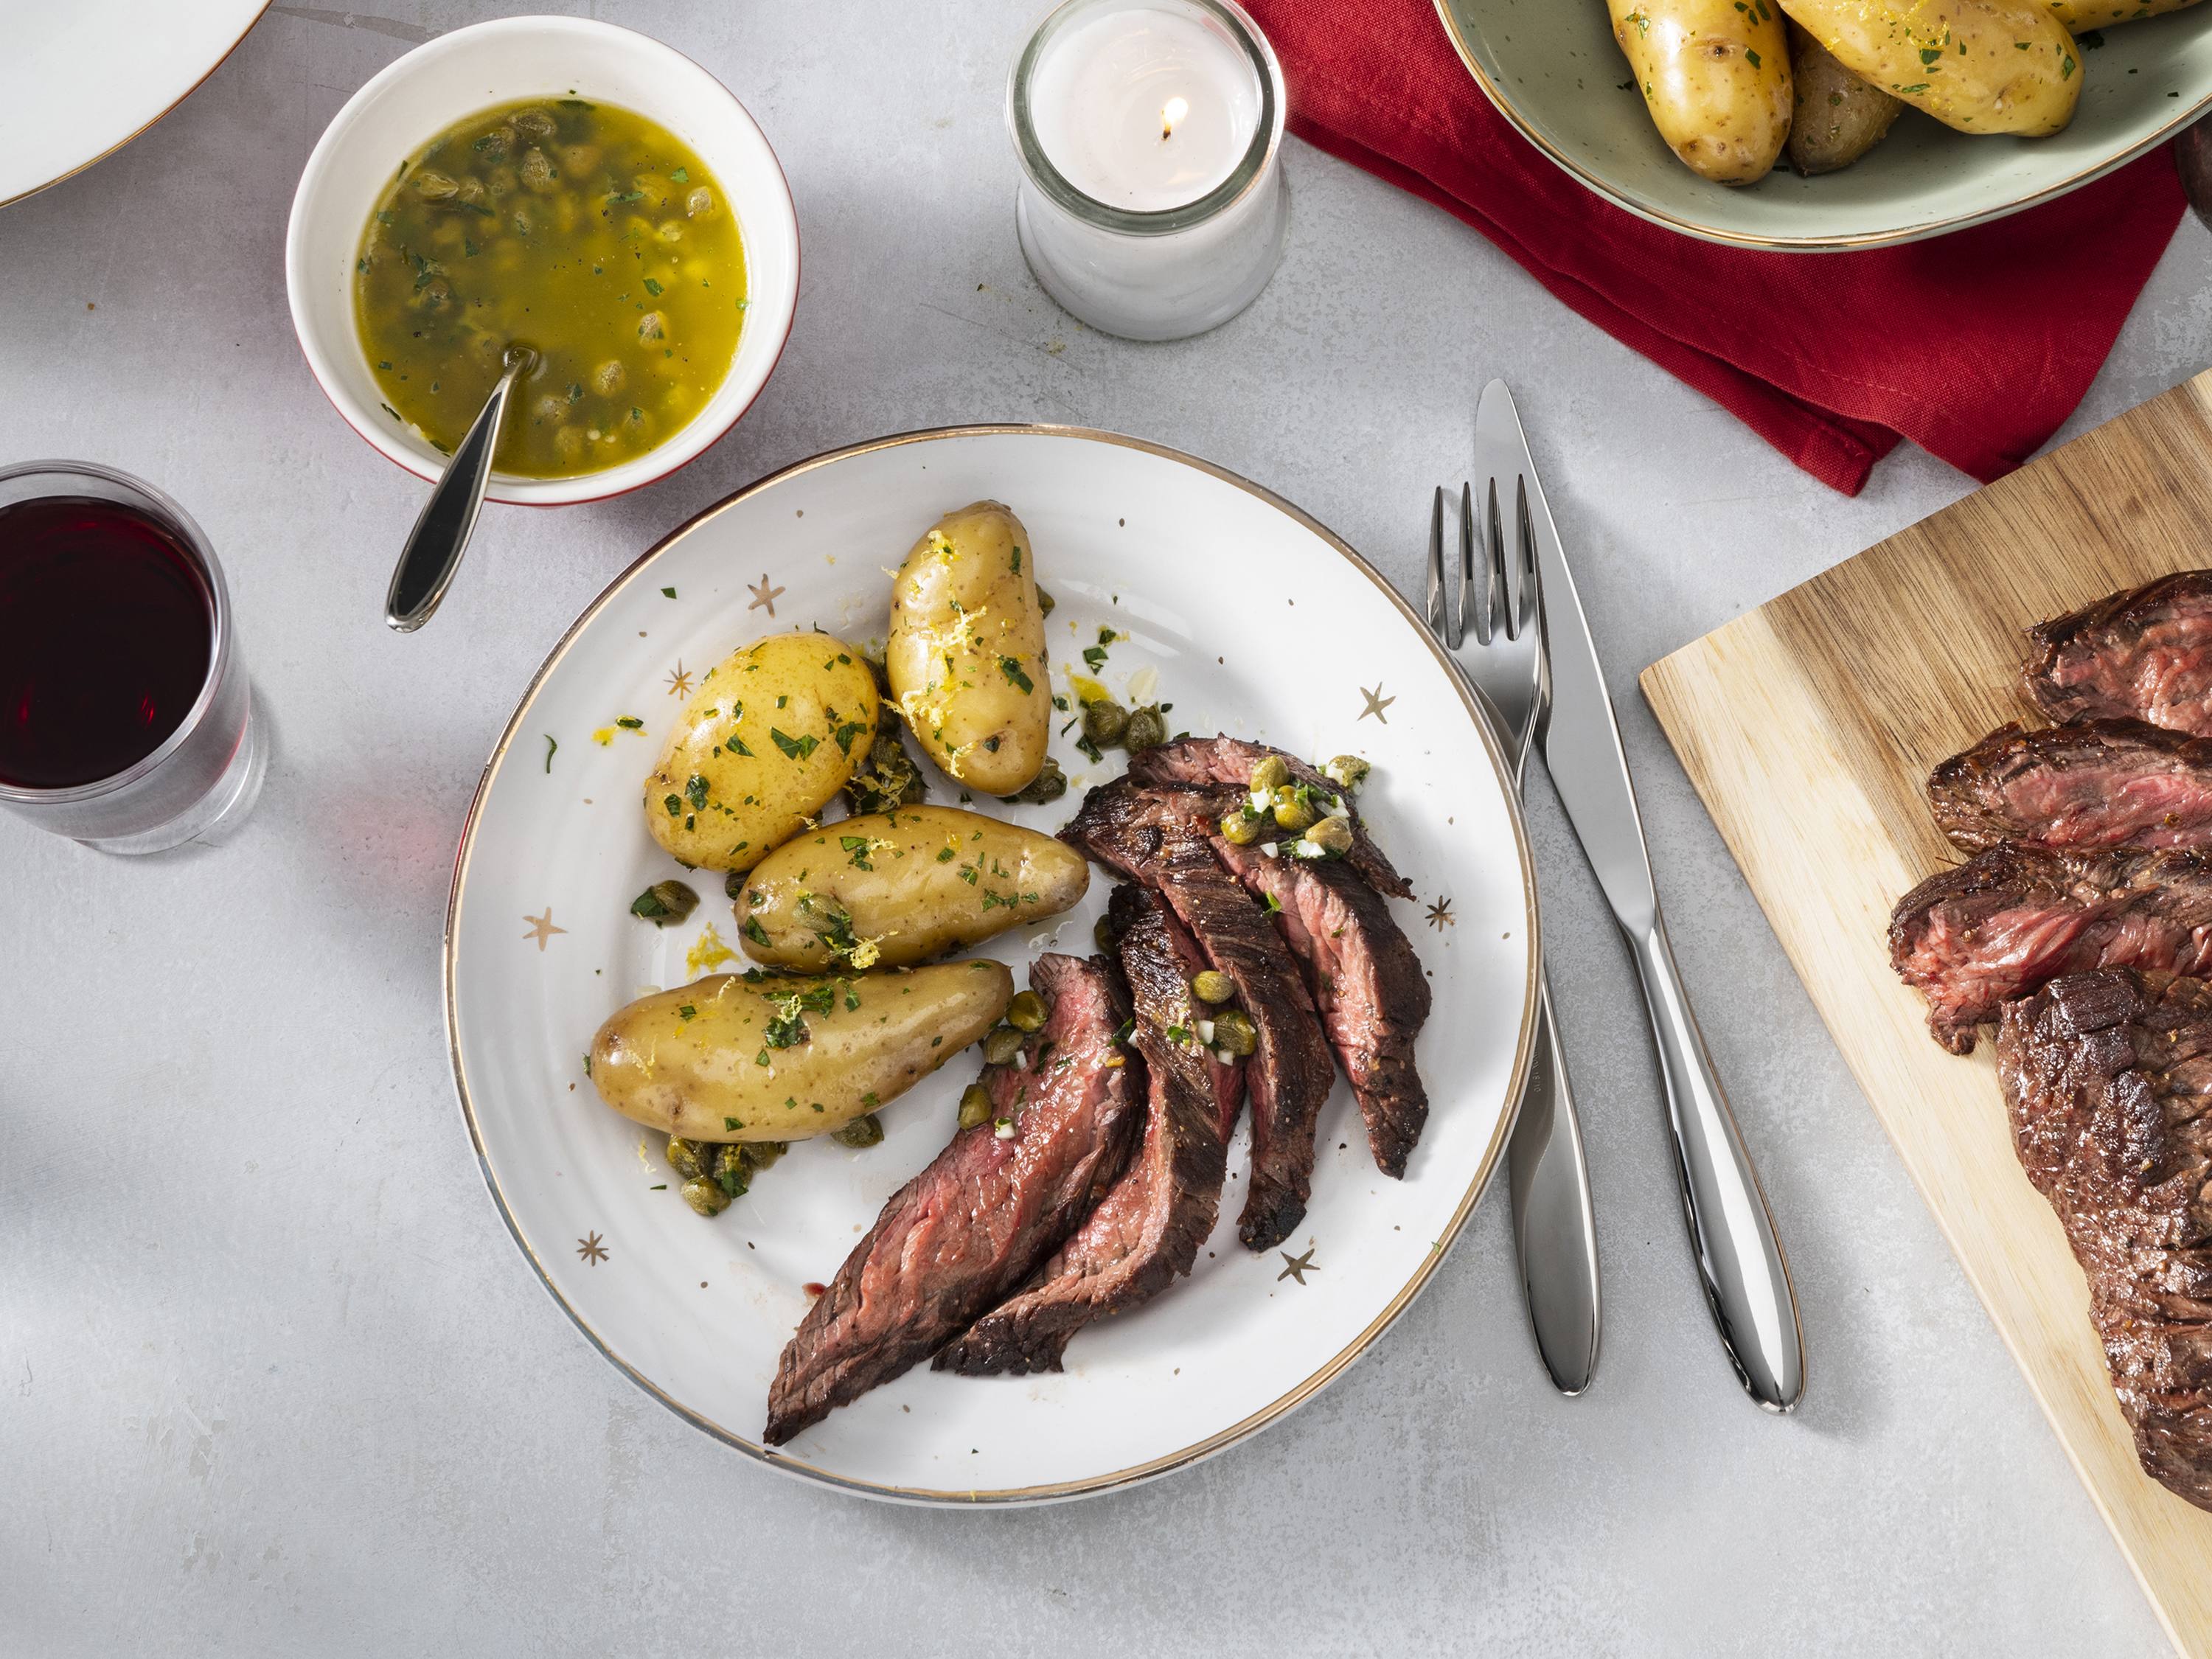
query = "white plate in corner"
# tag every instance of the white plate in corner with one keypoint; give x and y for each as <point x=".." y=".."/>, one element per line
<point x="1256" y="622"/>
<point x="80" y="80"/>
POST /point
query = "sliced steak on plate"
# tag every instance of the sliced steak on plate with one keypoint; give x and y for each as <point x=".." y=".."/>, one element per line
<point x="1146" y="1231"/>
<point x="956" y="1238"/>
<point x="1365" y="980"/>
<point x="2007" y="921"/>
<point x="2108" y="1077"/>
<point x="1143" y="833"/>
<point x="2095" y="783"/>
<point x="2147" y="653"/>
<point x="1204" y="763"/>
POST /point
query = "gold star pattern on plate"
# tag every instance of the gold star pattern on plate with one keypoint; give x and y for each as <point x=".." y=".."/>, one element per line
<point x="1297" y="1267"/>
<point x="1440" y="916"/>
<point x="592" y="1250"/>
<point x="679" y="681"/>
<point x="542" y="928"/>
<point x="1376" y="702"/>
<point x="764" y="595"/>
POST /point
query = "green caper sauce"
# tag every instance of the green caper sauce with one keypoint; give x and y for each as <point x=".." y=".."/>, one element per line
<point x="581" y="230"/>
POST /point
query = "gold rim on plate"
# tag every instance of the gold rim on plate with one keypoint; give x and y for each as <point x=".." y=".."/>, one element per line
<point x="1706" y="232"/>
<point x="1278" y="1407"/>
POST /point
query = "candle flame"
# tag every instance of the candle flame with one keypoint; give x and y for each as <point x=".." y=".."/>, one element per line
<point x="1170" y="112"/>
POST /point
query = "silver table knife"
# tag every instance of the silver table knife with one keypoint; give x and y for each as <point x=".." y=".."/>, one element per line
<point x="1741" y="1265"/>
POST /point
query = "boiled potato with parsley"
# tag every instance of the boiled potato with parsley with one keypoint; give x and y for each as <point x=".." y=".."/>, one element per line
<point x="902" y="887"/>
<point x="763" y="745"/>
<point x="773" y="1058"/>
<point x="966" y="656"/>
<point x="2081" y="15"/>
<point x="1715" y="76"/>
<point x="1840" y="117"/>
<point x="1978" y="65"/>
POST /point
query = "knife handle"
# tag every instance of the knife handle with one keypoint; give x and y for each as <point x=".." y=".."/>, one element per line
<point x="1740" y="1260"/>
<point x="1554" y="1232"/>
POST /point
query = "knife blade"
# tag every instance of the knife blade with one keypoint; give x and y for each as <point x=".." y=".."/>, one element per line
<point x="1577" y="733"/>
<point x="1741" y="1265"/>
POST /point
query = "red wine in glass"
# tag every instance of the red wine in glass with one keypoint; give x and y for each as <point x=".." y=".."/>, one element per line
<point x="127" y="719"/>
<point x="106" y="636"/>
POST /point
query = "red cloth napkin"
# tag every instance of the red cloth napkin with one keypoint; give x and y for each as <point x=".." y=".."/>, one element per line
<point x="1975" y="345"/>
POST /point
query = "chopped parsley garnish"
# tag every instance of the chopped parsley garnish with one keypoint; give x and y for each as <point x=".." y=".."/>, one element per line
<point x="695" y="789"/>
<point x="795" y="748"/>
<point x="753" y="931"/>
<point x="552" y="748"/>
<point x="858" y="847"/>
<point x="1012" y="670"/>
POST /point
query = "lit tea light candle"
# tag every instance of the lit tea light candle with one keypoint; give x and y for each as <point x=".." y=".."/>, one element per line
<point x="1150" y="133"/>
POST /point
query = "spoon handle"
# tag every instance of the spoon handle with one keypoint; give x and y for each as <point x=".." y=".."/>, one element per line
<point x="435" y="546"/>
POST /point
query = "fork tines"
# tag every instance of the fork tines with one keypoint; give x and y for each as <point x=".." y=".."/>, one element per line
<point x="1504" y="598"/>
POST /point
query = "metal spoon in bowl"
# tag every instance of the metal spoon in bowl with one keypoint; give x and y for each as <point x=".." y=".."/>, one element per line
<point x="441" y="535"/>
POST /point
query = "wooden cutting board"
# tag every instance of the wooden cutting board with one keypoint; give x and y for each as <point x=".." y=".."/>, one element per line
<point x="1809" y="727"/>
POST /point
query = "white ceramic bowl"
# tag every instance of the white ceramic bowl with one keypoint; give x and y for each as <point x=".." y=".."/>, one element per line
<point x="443" y="81"/>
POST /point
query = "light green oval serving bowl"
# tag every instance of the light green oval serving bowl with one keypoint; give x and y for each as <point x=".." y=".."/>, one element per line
<point x="1552" y="68"/>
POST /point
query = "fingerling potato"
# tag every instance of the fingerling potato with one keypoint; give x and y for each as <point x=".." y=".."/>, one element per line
<point x="2081" y="15"/>
<point x="892" y="889"/>
<point x="1715" y="76"/>
<point x="966" y="653"/>
<point x="1977" y="65"/>
<point x="1837" y="116"/>
<point x="763" y="745"/>
<point x="775" y="1058"/>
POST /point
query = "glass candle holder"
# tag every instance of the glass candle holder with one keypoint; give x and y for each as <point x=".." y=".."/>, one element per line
<point x="125" y="719"/>
<point x="1151" y="202"/>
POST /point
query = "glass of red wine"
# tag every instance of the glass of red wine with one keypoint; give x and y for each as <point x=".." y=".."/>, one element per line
<point x="125" y="719"/>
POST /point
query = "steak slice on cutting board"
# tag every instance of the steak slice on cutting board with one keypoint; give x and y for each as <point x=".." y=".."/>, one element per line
<point x="957" y="1238"/>
<point x="1143" y="833"/>
<point x="1205" y="763"/>
<point x="1146" y="1231"/>
<point x="2146" y="653"/>
<point x="2107" y="1077"/>
<point x="2095" y="783"/>
<point x="1997" y="926"/>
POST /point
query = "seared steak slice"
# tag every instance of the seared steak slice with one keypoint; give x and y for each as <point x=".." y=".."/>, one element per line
<point x="1208" y="762"/>
<point x="2095" y="783"/>
<point x="2148" y="653"/>
<point x="2108" y="1077"/>
<point x="1142" y="833"/>
<point x="1366" y="981"/>
<point x="1146" y="1232"/>
<point x="2008" y="919"/>
<point x="958" y="1236"/>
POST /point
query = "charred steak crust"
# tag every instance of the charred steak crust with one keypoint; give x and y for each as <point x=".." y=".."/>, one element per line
<point x="958" y="1236"/>
<point x="2146" y="653"/>
<point x="1146" y="1231"/>
<point x="2010" y="920"/>
<point x="1206" y="762"/>
<point x="1141" y="833"/>
<point x="1367" y="983"/>
<point x="2095" y="783"/>
<point x="2107" y="1077"/>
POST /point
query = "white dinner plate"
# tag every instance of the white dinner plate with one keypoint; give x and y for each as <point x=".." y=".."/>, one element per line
<point x="83" y="78"/>
<point x="1250" y="618"/>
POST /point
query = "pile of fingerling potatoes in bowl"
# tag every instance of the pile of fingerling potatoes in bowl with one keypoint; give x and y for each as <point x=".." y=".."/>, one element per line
<point x="1731" y="83"/>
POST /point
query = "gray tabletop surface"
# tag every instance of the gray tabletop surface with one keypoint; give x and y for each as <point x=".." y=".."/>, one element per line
<point x="274" y="1378"/>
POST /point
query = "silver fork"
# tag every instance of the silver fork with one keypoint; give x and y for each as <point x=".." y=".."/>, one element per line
<point x="1554" y="1230"/>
